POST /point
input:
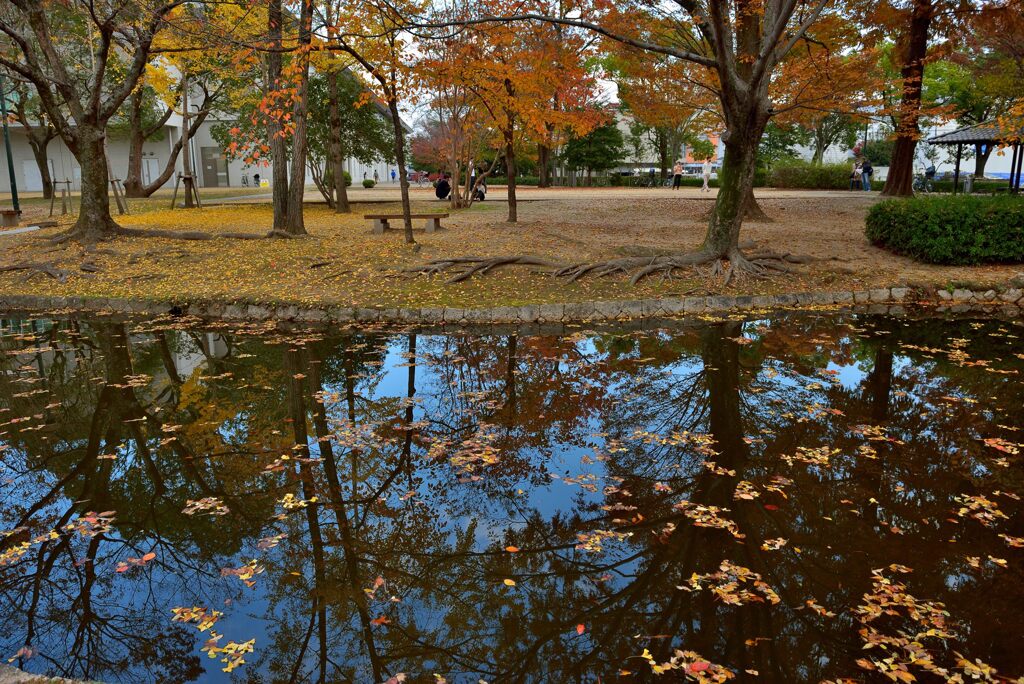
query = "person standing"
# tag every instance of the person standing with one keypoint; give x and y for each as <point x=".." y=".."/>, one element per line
<point x="707" y="175"/>
<point x="866" y="171"/>
<point x="677" y="175"/>
<point x="393" y="174"/>
<point x="855" y="174"/>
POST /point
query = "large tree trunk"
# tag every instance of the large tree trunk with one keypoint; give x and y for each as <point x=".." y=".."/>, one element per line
<point x="278" y="148"/>
<point x="544" y="166"/>
<point x="294" y="224"/>
<point x="753" y="210"/>
<point x="39" y="153"/>
<point x="819" y="143"/>
<point x="403" y="178"/>
<point x="510" y="167"/>
<point x="336" y="153"/>
<point x="94" y="220"/>
<point x="900" y="181"/>
<point x="981" y="155"/>
<point x="735" y="189"/>
<point x="136" y="138"/>
<point x="133" y="178"/>
<point x="663" y="154"/>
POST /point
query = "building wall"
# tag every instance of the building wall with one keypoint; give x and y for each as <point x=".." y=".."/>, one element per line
<point x="210" y="166"/>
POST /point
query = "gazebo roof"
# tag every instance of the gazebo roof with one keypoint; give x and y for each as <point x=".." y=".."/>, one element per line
<point x="987" y="132"/>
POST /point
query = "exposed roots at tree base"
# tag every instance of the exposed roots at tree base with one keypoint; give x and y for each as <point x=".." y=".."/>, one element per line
<point x="473" y="265"/>
<point x="92" y="236"/>
<point x="758" y="263"/>
<point x="57" y="274"/>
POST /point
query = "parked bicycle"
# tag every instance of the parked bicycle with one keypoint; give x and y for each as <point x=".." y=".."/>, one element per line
<point x="923" y="181"/>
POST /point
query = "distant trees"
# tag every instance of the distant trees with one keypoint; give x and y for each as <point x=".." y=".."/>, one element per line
<point x="84" y="59"/>
<point x="343" y="125"/>
<point x="38" y="130"/>
<point x="599" y="150"/>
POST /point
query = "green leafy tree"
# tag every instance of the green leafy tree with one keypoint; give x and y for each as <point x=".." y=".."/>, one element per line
<point x="779" y="143"/>
<point x="601" y="149"/>
<point x="364" y="132"/>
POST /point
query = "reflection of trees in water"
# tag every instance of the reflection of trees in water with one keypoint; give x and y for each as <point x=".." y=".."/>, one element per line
<point x="387" y="509"/>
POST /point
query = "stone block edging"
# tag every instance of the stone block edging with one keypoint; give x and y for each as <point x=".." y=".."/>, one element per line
<point x="1010" y="301"/>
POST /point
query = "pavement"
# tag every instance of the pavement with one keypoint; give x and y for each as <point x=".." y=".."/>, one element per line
<point x="390" y="192"/>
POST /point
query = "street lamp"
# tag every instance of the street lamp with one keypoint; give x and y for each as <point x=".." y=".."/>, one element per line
<point x="7" y="145"/>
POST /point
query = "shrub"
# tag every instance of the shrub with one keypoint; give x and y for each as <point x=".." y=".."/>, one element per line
<point x="348" y="178"/>
<point x="369" y="182"/>
<point x="946" y="185"/>
<point x="801" y="174"/>
<point x="520" y="180"/>
<point x="952" y="229"/>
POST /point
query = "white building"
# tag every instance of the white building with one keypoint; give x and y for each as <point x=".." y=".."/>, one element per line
<point x="211" y="167"/>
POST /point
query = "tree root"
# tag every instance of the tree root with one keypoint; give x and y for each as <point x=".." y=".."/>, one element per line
<point x="758" y="263"/>
<point x="57" y="274"/>
<point x="200" y="235"/>
<point x="473" y="265"/>
<point x="120" y="231"/>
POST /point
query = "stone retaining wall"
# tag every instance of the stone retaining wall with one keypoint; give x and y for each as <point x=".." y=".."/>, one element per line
<point x="1008" y="301"/>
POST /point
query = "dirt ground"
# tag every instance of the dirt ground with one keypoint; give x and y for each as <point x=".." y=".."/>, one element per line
<point x="342" y="262"/>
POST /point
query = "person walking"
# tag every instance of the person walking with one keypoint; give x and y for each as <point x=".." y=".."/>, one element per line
<point x="393" y="174"/>
<point x="677" y="175"/>
<point x="376" y="177"/>
<point x="866" y="171"/>
<point x="707" y="175"/>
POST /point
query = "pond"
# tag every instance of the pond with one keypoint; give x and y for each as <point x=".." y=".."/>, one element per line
<point x="798" y="498"/>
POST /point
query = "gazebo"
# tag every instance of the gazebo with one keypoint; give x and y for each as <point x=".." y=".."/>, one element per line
<point x="988" y="133"/>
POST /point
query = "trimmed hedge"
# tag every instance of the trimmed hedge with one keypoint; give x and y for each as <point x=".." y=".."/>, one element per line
<point x="811" y="176"/>
<point x="951" y="229"/>
<point x="520" y="180"/>
<point x="369" y="182"/>
<point x="981" y="186"/>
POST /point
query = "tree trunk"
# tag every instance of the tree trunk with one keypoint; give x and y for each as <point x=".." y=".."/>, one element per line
<point x="278" y="148"/>
<point x="39" y="153"/>
<point x="336" y="155"/>
<point x="94" y="221"/>
<point x="819" y="144"/>
<point x="900" y="181"/>
<point x="735" y="188"/>
<point x="510" y="167"/>
<point x="663" y="154"/>
<point x="544" y="166"/>
<point x="133" y="178"/>
<point x="753" y="210"/>
<point x="403" y="178"/>
<point x="294" y="223"/>
<point x="981" y="155"/>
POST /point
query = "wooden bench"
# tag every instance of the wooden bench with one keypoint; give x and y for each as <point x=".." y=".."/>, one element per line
<point x="9" y="218"/>
<point x="380" y="221"/>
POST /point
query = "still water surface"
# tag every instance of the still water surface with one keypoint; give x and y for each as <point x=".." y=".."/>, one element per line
<point x="793" y="499"/>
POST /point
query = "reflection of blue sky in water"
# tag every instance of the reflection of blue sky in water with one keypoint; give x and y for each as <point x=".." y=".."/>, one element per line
<point x="572" y="459"/>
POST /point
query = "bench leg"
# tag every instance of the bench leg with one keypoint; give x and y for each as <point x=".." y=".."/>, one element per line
<point x="433" y="224"/>
<point x="379" y="226"/>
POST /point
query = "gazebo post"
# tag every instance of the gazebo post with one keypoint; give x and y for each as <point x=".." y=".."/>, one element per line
<point x="956" y="171"/>
<point x="1013" y="164"/>
<point x="1020" y="163"/>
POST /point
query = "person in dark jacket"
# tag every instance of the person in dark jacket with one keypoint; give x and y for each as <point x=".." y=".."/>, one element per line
<point x="866" y="171"/>
<point x="443" y="187"/>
